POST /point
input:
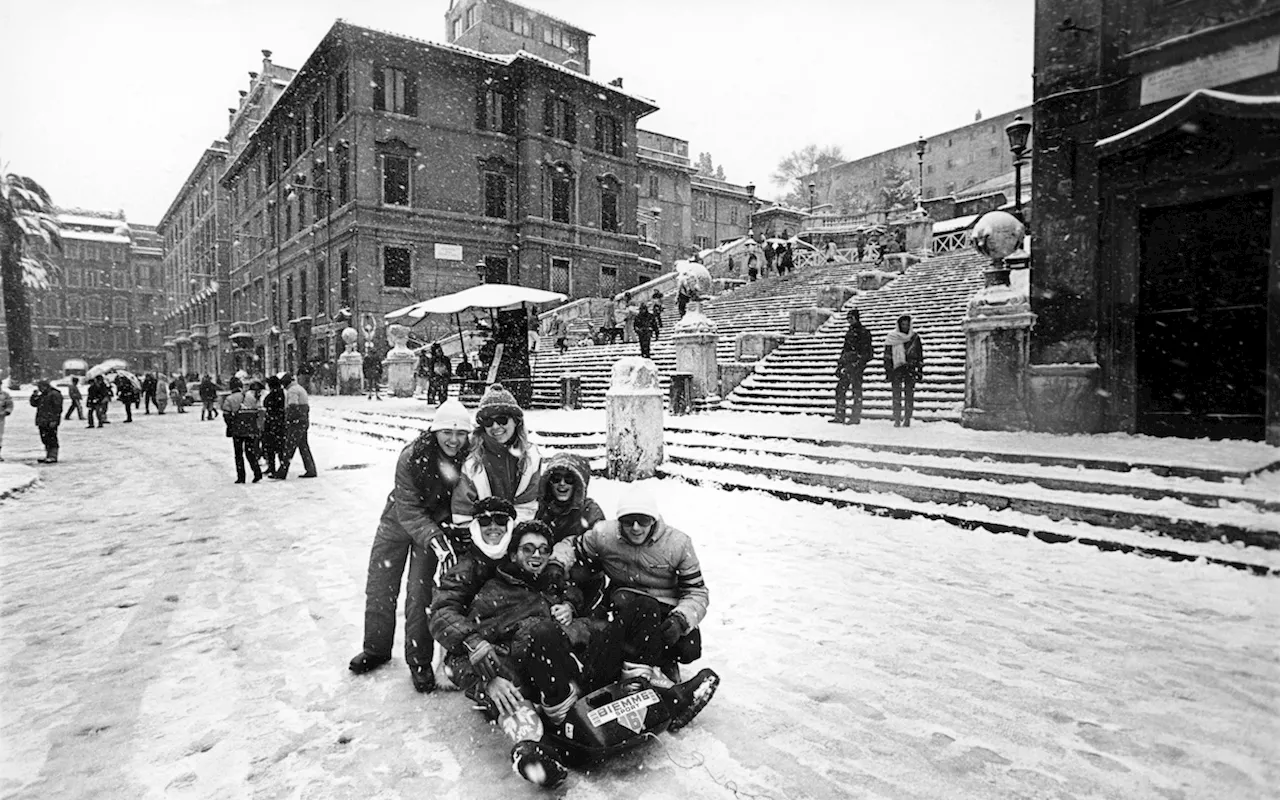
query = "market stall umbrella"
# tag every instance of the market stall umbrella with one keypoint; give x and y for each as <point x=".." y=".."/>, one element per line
<point x="486" y="295"/>
<point x="110" y="365"/>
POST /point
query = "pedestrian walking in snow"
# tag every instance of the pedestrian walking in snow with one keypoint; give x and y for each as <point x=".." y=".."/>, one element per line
<point x="6" y="408"/>
<point x="127" y="393"/>
<point x="904" y="367"/>
<point x="855" y="354"/>
<point x="99" y="397"/>
<point x="655" y="306"/>
<point x="149" y="392"/>
<point x="161" y="393"/>
<point x="770" y="254"/>
<point x="73" y="394"/>
<point x="243" y="414"/>
<point x="787" y="261"/>
<point x="47" y="401"/>
<point x="273" y="425"/>
<point x="372" y="373"/>
<point x="502" y="462"/>
<point x="414" y="528"/>
<point x="297" y="422"/>
<point x="646" y="328"/>
<point x="753" y="267"/>
<point x="440" y="371"/>
<point x="208" y="397"/>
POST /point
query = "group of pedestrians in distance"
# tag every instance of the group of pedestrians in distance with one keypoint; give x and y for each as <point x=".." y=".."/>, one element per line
<point x="268" y="422"/>
<point x="903" y="356"/>
<point x="534" y="597"/>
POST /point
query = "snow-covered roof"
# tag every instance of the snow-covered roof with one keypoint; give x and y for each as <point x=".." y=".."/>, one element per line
<point x="98" y="222"/>
<point x="1201" y="100"/>
<point x="653" y="261"/>
<point x="94" y="236"/>
<point x="956" y="224"/>
<point x="587" y="78"/>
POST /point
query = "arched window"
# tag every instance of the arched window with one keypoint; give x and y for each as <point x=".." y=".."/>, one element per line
<point x="120" y="310"/>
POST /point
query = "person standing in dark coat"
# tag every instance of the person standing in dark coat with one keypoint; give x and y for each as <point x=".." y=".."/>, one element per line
<point x="646" y="327"/>
<point x="787" y="262"/>
<point x="413" y="529"/>
<point x="73" y="394"/>
<point x="47" y="401"/>
<point x="855" y="355"/>
<point x="99" y="397"/>
<point x="372" y="373"/>
<point x="904" y="367"/>
<point x="273" y="426"/>
<point x="242" y="413"/>
<point x="127" y="394"/>
<point x="149" y="393"/>
<point x="439" y="372"/>
<point x="297" y="421"/>
<point x="208" y="396"/>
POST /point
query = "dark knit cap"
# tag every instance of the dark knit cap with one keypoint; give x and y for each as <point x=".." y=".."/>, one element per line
<point x="494" y="505"/>
<point x="497" y="400"/>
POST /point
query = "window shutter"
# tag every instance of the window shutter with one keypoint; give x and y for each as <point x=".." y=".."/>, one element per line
<point x="570" y="123"/>
<point x="379" y="89"/>
<point x="411" y="94"/>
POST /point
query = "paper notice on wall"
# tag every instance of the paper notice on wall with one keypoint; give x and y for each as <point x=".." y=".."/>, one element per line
<point x="448" y="252"/>
<point x="1216" y="69"/>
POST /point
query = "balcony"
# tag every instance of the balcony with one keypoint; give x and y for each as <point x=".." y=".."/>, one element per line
<point x="182" y="337"/>
<point x="170" y="344"/>
<point x="199" y="332"/>
<point x="213" y="330"/>
<point x="242" y="334"/>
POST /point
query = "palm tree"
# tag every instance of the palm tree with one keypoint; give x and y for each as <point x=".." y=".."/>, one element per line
<point x="25" y="210"/>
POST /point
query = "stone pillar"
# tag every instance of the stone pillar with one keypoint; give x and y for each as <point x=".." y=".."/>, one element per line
<point x="808" y="320"/>
<point x="400" y="365"/>
<point x="755" y="345"/>
<point x="633" y="419"/>
<point x="919" y="235"/>
<point x="350" y="365"/>
<point x="834" y="296"/>
<point x="695" y="342"/>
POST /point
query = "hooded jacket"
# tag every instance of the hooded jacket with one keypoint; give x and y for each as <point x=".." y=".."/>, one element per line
<point x="581" y="513"/>
<point x="475" y="482"/>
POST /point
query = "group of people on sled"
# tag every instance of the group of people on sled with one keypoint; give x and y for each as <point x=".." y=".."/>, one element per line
<point x="535" y="597"/>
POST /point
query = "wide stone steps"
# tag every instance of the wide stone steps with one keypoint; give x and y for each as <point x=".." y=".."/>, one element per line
<point x="1159" y="509"/>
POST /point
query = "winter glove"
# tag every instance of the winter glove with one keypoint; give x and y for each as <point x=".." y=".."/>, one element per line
<point x="673" y="628"/>
<point x="483" y="659"/>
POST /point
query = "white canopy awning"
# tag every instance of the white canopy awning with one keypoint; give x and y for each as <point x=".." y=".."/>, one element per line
<point x="486" y="295"/>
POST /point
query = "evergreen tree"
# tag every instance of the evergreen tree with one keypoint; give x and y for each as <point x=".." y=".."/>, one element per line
<point x="25" y="210"/>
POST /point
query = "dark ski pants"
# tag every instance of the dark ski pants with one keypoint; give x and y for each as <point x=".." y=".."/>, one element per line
<point x="149" y="400"/>
<point x="903" y="385"/>
<point x="641" y="619"/>
<point x="392" y="548"/>
<point x="295" y="440"/>
<point x="244" y="447"/>
<point x="49" y="438"/>
<point x="850" y="380"/>
<point x="645" y="338"/>
<point x="76" y="408"/>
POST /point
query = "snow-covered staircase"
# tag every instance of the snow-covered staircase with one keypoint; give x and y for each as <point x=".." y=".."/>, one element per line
<point x="799" y="376"/>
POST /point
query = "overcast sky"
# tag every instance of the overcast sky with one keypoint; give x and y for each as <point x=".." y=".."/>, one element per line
<point x="109" y="104"/>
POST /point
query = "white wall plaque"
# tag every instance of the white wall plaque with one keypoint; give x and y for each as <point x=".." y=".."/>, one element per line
<point x="448" y="252"/>
<point x="1237" y="64"/>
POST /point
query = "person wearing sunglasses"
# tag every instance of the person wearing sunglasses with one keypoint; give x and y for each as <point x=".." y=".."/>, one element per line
<point x="412" y="529"/>
<point x="502" y="625"/>
<point x="502" y="462"/>
<point x="656" y="594"/>
<point x="564" y="505"/>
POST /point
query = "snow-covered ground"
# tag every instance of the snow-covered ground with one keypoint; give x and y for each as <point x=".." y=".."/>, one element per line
<point x="165" y="633"/>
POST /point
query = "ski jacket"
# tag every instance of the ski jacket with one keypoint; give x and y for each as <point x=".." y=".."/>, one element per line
<point x="577" y="516"/>
<point x="48" y="405"/>
<point x="484" y="475"/>
<point x="856" y="352"/>
<point x="419" y="502"/>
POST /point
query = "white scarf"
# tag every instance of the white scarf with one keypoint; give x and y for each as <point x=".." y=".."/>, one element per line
<point x="494" y="551"/>
<point x="897" y="341"/>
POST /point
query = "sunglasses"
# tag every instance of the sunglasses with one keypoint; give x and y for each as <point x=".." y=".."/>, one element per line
<point x="631" y="520"/>
<point x="535" y="549"/>
<point x="500" y="419"/>
<point x="496" y="518"/>
<point x="563" y="477"/>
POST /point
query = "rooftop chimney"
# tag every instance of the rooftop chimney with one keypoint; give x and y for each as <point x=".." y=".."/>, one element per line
<point x="616" y="82"/>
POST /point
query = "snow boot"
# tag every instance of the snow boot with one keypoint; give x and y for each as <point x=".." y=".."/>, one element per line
<point x="365" y="662"/>
<point x="524" y="724"/>
<point x="424" y="678"/>
<point x="690" y="697"/>
<point x="648" y="673"/>
<point x="537" y="764"/>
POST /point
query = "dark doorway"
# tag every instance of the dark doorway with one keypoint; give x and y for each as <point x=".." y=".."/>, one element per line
<point x="1201" y="328"/>
<point x="495" y="269"/>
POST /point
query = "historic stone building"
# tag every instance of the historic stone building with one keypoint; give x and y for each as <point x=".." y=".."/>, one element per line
<point x="103" y="298"/>
<point x="1155" y="273"/>
<point x="719" y="211"/>
<point x="499" y="26"/>
<point x="393" y="169"/>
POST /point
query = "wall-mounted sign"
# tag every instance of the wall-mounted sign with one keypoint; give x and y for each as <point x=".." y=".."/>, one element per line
<point x="1216" y="69"/>
<point x="448" y="252"/>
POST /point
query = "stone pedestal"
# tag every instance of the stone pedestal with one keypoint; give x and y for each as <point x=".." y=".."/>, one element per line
<point x="919" y="230"/>
<point x="350" y="365"/>
<point x="755" y="345"/>
<point x="872" y="279"/>
<point x="834" y="296"/>
<point x="997" y="334"/>
<point x="633" y="419"/>
<point x="1064" y="398"/>
<point x="695" y="343"/>
<point x="808" y="320"/>
<point x="401" y="364"/>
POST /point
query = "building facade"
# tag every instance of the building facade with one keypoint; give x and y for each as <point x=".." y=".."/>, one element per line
<point x="1156" y="279"/>
<point x="502" y="27"/>
<point x="665" y="194"/>
<point x="719" y="210"/>
<point x="392" y="170"/>
<point x="103" y="300"/>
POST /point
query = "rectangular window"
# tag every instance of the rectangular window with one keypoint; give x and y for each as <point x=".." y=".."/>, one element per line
<point x="395" y="90"/>
<point x="342" y="163"/>
<point x="520" y="24"/>
<point x="457" y="29"/>
<point x="121" y="338"/>
<point x="341" y="100"/>
<point x="494" y="111"/>
<point x="286" y="151"/>
<point x="288" y="219"/>
<point x="322" y="289"/>
<point x="495" y="195"/>
<point x="73" y="276"/>
<point x="302" y="292"/>
<point x="288" y="297"/>
<point x="653" y="185"/>
<point x="560" y="119"/>
<point x="608" y="281"/>
<point x="396" y="269"/>
<point x="344" y="277"/>
<point x="608" y="134"/>
<point x="733" y="215"/>
<point x="317" y="118"/>
<point x="560" y="275"/>
<point x="473" y="15"/>
<point x="561" y="197"/>
<point x="395" y="180"/>
<point x="609" y="208"/>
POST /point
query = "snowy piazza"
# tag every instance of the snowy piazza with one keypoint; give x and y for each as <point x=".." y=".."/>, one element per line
<point x="663" y="400"/>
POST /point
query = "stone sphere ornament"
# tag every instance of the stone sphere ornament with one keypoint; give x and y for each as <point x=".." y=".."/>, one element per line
<point x="349" y="337"/>
<point x="694" y="279"/>
<point x="398" y="335"/>
<point x="998" y="234"/>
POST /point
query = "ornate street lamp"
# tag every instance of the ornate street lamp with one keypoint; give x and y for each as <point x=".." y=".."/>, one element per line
<point x="751" y="210"/>
<point x="812" y="187"/>
<point x="921" y="144"/>
<point x="1017" y="132"/>
<point x="482" y="270"/>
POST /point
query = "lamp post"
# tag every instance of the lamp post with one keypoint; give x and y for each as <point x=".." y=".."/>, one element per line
<point x="482" y="270"/>
<point x="812" y="187"/>
<point x="1017" y="132"/>
<point x="751" y="210"/>
<point x="921" y="144"/>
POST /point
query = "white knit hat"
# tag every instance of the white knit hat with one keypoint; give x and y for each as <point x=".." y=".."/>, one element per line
<point x="637" y="499"/>
<point x="452" y="415"/>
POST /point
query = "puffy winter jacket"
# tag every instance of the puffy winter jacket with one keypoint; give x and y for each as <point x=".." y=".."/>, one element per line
<point x="474" y="483"/>
<point x="581" y="513"/>
<point x="419" y="502"/>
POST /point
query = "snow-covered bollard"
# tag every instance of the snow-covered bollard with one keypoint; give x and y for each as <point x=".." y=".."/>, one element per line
<point x="633" y="417"/>
<point x="401" y="364"/>
<point x="350" y="365"/>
